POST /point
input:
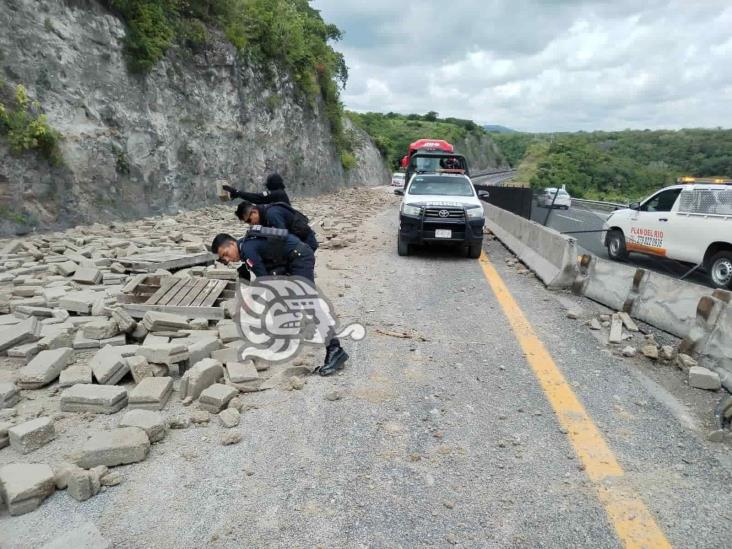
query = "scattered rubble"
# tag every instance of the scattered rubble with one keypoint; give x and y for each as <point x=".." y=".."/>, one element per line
<point x="149" y="421"/>
<point x="96" y="399"/>
<point x="152" y="393"/>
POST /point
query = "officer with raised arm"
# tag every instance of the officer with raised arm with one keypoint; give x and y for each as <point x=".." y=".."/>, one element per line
<point x="275" y="192"/>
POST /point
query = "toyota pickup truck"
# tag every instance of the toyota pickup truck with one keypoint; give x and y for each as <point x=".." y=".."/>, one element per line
<point x="440" y="208"/>
<point x="691" y="223"/>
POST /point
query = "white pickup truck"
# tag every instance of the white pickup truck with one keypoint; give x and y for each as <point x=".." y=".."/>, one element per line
<point x="691" y="223"/>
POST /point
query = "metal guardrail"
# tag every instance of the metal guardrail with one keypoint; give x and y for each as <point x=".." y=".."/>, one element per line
<point x="486" y="174"/>
<point x="600" y="204"/>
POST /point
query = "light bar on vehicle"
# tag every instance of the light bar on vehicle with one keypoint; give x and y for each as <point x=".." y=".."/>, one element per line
<point x="704" y="180"/>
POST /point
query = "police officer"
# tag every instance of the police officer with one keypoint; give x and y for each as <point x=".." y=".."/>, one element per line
<point x="267" y="251"/>
<point x="275" y="192"/>
<point x="279" y="216"/>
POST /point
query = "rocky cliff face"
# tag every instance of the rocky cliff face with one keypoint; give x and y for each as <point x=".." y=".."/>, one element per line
<point x="482" y="153"/>
<point x="134" y="145"/>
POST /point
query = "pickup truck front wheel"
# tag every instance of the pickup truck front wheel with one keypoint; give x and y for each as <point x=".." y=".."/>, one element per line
<point x="616" y="245"/>
<point x="720" y="270"/>
<point x="474" y="250"/>
<point x="402" y="247"/>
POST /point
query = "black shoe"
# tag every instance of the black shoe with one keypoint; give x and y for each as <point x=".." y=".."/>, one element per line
<point x="335" y="359"/>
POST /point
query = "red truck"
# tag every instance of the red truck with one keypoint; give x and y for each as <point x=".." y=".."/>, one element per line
<point x="433" y="156"/>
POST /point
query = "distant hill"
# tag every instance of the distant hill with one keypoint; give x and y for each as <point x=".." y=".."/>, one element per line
<point x="498" y="129"/>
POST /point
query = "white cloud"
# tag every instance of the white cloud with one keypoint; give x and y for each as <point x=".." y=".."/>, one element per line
<point x="541" y="66"/>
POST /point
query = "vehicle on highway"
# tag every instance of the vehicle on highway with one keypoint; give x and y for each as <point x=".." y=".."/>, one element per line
<point x="397" y="179"/>
<point x="690" y="223"/>
<point x="426" y="145"/>
<point x="442" y="207"/>
<point x="547" y="198"/>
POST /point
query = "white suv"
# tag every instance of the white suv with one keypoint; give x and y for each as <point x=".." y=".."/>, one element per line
<point x="690" y="223"/>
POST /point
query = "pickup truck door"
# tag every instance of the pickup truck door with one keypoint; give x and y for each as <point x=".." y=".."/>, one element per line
<point x="651" y="224"/>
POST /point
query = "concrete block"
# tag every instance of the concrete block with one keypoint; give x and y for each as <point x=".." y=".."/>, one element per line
<point x="701" y="378"/>
<point x="616" y="329"/>
<point x="25" y="351"/>
<point x="23" y="332"/>
<point x="24" y="486"/>
<point x="159" y="321"/>
<point x="9" y="395"/>
<point x="166" y="353"/>
<point x="85" y="536"/>
<point x="229" y="418"/>
<point x="215" y="398"/>
<point x="100" y="329"/>
<point x="140" y="368"/>
<point x="115" y="341"/>
<point x="87" y="275"/>
<point x="97" y="399"/>
<point x="58" y="339"/>
<point x="227" y="354"/>
<point x="149" y="421"/>
<point x="80" y="485"/>
<point x="154" y="339"/>
<point x="31" y="435"/>
<point x="203" y="348"/>
<point x="228" y="332"/>
<point x="78" y="302"/>
<point x="241" y="372"/>
<point x="44" y="368"/>
<point x="116" y="447"/>
<point x="75" y="374"/>
<point x="123" y="319"/>
<point x="66" y="268"/>
<point x="152" y="393"/>
<point x="203" y="374"/>
<point x="108" y="366"/>
<point x="81" y="342"/>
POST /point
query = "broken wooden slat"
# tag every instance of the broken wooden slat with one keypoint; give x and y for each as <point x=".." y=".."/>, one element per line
<point x="198" y="287"/>
<point x="165" y="285"/>
<point x="210" y="285"/>
<point x="170" y="294"/>
<point x="133" y="283"/>
<point x="182" y="293"/>
<point x="138" y="310"/>
<point x="211" y="298"/>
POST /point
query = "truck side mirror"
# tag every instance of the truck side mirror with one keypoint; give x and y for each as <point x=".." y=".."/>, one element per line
<point x="634" y="206"/>
<point x="399" y="192"/>
<point x="483" y="195"/>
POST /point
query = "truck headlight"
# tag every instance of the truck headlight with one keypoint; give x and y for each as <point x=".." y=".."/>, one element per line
<point x="409" y="209"/>
<point x="476" y="212"/>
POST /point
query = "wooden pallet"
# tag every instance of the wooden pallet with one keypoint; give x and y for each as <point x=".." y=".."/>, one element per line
<point x="151" y="262"/>
<point x="190" y="297"/>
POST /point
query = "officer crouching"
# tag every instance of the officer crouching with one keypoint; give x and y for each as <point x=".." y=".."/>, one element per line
<point x="268" y="251"/>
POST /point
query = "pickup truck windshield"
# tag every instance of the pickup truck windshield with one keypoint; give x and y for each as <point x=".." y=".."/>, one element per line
<point x="441" y="185"/>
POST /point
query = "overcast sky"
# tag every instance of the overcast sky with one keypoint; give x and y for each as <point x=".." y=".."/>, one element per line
<point x="555" y="65"/>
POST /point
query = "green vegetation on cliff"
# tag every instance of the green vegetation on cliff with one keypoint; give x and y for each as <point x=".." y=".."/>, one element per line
<point x="288" y="32"/>
<point x="620" y="166"/>
<point x="392" y="133"/>
<point x="25" y="128"/>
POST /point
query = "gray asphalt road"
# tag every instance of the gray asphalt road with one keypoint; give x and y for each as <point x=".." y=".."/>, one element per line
<point x="579" y="218"/>
<point x="442" y="437"/>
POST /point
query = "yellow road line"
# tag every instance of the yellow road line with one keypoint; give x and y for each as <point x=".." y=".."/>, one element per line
<point x="633" y="523"/>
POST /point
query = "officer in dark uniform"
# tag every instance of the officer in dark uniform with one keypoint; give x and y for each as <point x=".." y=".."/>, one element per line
<point x="275" y="192"/>
<point x="267" y="251"/>
<point x="279" y="216"/>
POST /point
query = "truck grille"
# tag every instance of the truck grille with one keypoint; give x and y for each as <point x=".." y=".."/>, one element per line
<point x="447" y="213"/>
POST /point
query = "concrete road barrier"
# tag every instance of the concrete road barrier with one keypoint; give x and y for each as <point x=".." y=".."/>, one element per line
<point x="668" y="303"/>
<point x="608" y="282"/>
<point x="715" y="346"/>
<point x="551" y="255"/>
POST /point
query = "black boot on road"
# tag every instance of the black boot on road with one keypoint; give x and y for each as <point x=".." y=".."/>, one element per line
<point x="335" y="359"/>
